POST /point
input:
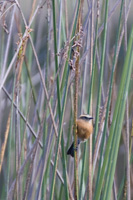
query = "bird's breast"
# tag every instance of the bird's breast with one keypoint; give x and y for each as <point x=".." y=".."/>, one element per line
<point x="84" y="129"/>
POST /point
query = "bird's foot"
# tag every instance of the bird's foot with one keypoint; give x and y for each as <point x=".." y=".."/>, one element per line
<point x="75" y="149"/>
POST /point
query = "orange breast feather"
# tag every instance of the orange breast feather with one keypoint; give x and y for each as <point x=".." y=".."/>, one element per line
<point x="84" y="129"/>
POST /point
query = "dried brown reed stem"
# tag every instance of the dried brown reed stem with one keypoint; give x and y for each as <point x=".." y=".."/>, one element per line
<point x="75" y="127"/>
<point x="77" y="45"/>
<point x="3" y="148"/>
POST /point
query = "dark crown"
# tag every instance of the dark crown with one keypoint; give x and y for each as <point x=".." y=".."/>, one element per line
<point x="85" y="117"/>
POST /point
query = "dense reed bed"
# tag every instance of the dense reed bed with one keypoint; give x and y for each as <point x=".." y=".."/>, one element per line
<point x="60" y="59"/>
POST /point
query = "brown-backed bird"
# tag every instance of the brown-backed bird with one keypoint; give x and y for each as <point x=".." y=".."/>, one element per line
<point x="84" y="130"/>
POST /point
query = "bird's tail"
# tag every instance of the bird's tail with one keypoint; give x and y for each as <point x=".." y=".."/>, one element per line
<point x="71" y="149"/>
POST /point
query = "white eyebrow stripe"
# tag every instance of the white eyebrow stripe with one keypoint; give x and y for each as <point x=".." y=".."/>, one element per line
<point x="86" y="117"/>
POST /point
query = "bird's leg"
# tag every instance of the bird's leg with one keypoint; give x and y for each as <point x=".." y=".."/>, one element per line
<point x="76" y="148"/>
<point x="78" y="142"/>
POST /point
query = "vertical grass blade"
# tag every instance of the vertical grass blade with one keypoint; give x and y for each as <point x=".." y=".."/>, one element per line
<point x="115" y="117"/>
<point x="101" y="72"/>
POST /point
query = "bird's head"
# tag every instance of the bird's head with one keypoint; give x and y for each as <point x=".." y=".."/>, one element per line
<point x="86" y="117"/>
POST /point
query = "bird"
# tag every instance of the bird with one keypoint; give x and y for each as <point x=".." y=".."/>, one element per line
<point x="84" y="130"/>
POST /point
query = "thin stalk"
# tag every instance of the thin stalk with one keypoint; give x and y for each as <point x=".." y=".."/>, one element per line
<point x="62" y="116"/>
<point x="3" y="147"/>
<point x="56" y="58"/>
<point x="111" y="83"/>
<point x="102" y="28"/>
<point x="22" y="116"/>
<point x="9" y="144"/>
<point x="8" y="43"/>
<point x="43" y="191"/>
<point x="121" y="188"/>
<point x="31" y="85"/>
<point x="101" y="71"/>
<point x="66" y="18"/>
<point x="127" y="115"/>
<point x="76" y="183"/>
<point x="82" y="103"/>
<point x="61" y="113"/>
<point x="109" y="99"/>
<point x="90" y="105"/>
<point x="20" y="44"/>
<point x="62" y="139"/>
<point x="59" y="140"/>
<point x="100" y="184"/>
<point x="127" y="152"/>
<point x="75" y="129"/>
<point x="118" y="129"/>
